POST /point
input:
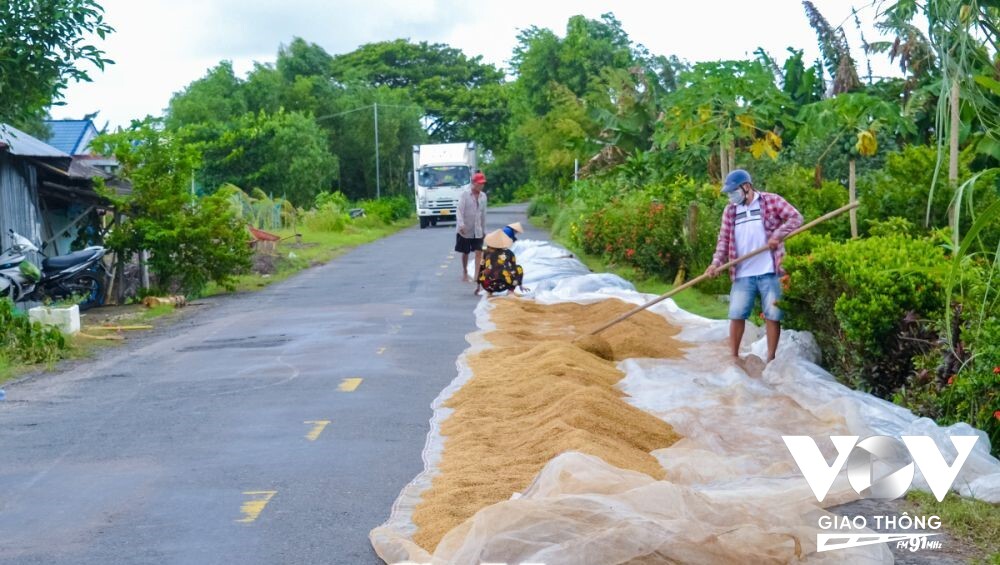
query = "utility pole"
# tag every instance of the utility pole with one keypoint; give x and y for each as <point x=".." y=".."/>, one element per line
<point x="378" y="178"/>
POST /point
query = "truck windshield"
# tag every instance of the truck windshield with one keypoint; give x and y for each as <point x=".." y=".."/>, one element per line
<point x="444" y="176"/>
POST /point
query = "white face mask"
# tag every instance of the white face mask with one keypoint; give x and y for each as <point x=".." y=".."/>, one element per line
<point x="737" y="196"/>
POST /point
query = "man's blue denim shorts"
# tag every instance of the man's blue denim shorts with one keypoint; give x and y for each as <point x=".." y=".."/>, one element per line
<point x="745" y="292"/>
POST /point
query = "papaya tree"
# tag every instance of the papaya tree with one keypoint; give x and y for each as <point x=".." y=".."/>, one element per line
<point x="720" y="106"/>
<point x="851" y="121"/>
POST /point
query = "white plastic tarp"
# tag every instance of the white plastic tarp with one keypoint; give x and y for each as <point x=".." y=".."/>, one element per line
<point x="733" y="492"/>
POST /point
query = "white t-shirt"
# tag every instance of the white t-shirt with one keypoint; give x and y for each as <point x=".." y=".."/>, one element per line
<point x="750" y="235"/>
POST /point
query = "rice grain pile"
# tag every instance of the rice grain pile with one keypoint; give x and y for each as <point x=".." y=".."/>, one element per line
<point x="533" y="396"/>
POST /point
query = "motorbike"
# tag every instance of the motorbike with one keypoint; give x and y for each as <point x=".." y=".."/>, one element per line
<point x="79" y="274"/>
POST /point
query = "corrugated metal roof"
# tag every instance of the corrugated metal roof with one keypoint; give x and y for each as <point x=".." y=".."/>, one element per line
<point x="16" y="142"/>
<point x="67" y="135"/>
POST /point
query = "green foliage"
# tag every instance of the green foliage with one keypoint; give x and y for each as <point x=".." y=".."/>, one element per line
<point x="859" y="297"/>
<point x="971" y="523"/>
<point x="727" y="103"/>
<point x="22" y="341"/>
<point x="214" y="98"/>
<point x="282" y="154"/>
<point x="330" y="213"/>
<point x="191" y="241"/>
<point x="388" y="210"/>
<point x="797" y="185"/>
<point x="659" y="231"/>
<point x="41" y="44"/>
<point x="462" y="97"/>
<point x="260" y="210"/>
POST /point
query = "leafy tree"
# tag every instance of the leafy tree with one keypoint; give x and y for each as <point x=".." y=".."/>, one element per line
<point x="216" y="97"/>
<point x="284" y="154"/>
<point x="300" y="58"/>
<point x="351" y="131"/>
<point x="192" y="241"/>
<point x="857" y="117"/>
<point x="41" y="43"/>
<point x="721" y="106"/>
<point x="462" y="97"/>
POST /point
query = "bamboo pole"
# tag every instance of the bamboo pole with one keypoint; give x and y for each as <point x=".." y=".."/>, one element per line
<point x="722" y="268"/>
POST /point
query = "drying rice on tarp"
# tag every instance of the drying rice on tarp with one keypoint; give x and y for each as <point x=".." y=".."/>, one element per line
<point x="532" y="398"/>
<point x="526" y="322"/>
<point x="731" y="493"/>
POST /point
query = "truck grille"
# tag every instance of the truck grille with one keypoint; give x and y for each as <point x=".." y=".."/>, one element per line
<point x="442" y="204"/>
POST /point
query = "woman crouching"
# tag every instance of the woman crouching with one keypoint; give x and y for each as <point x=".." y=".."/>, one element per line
<point x="499" y="270"/>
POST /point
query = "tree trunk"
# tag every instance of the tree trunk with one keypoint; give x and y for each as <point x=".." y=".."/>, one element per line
<point x="723" y="161"/>
<point x="732" y="155"/>
<point x="853" y="195"/>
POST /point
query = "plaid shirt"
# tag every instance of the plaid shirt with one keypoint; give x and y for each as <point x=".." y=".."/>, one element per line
<point x="780" y="219"/>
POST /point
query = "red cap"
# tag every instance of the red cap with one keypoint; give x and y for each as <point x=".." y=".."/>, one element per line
<point x="479" y="178"/>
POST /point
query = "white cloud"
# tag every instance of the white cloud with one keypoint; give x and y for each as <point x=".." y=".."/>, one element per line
<point x="161" y="46"/>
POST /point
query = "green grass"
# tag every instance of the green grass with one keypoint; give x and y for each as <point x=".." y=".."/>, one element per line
<point x="692" y="299"/>
<point x="972" y="523"/>
<point x="317" y="247"/>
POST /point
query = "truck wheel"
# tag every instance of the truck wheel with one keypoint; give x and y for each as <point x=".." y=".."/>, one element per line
<point x="434" y="221"/>
<point x="423" y="222"/>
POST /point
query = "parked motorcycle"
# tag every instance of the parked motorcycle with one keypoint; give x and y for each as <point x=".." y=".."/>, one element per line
<point x="79" y="274"/>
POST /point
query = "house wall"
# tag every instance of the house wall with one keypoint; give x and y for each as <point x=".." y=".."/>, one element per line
<point x="18" y="200"/>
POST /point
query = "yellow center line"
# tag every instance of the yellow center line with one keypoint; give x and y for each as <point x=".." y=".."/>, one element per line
<point x="349" y="385"/>
<point x="394" y="328"/>
<point x="318" y="426"/>
<point x="439" y="273"/>
<point x="408" y="312"/>
<point x="252" y="508"/>
<point x="380" y="351"/>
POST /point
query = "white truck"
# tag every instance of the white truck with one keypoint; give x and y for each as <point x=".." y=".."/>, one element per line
<point x="441" y="172"/>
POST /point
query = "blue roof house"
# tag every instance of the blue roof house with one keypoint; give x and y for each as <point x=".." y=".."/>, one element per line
<point x="72" y="136"/>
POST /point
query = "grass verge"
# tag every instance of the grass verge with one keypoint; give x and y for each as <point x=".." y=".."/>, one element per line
<point x="315" y="248"/>
<point x="973" y="523"/>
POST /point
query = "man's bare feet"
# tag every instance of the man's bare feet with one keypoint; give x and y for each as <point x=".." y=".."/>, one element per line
<point x="476" y="292"/>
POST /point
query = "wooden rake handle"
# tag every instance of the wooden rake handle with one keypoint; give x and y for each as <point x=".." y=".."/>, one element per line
<point x="723" y="267"/>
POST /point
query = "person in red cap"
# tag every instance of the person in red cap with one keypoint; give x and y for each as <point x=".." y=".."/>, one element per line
<point x="471" y="224"/>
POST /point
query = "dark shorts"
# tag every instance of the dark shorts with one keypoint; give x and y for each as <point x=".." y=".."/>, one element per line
<point x="467" y="244"/>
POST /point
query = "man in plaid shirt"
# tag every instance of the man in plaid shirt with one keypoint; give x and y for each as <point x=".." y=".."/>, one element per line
<point x="752" y="220"/>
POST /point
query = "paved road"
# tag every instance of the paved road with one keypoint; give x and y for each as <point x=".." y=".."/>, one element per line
<point x="190" y="445"/>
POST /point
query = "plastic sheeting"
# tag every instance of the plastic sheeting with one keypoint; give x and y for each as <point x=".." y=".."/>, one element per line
<point x="732" y="493"/>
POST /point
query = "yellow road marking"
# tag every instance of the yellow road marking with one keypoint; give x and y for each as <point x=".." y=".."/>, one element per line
<point x="252" y="508"/>
<point x="394" y="328"/>
<point x="318" y="426"/>
<point x="349" y="385"/>
<point x="380" y="351"/>
<point x="408" y="312"/>
<point x="444" y="266"/>
<point x="439" y="273"/>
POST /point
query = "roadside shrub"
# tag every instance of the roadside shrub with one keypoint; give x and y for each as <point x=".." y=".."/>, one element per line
<point x="543" y="207"/>
<point x="389" y="209"/>
<point x="861" y="299"/>
<point x="22" y="341"/>
<point x="329" y="214"/>
<point x="797" y="185"/>
<point x="637" y="231"/>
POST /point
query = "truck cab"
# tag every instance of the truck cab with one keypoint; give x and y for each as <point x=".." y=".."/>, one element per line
<point x="441" y="172"/>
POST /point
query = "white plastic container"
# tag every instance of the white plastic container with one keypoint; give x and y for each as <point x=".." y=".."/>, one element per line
<point x="67" y="320"/>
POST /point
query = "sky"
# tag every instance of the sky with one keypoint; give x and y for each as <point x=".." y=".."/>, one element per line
<point x="159" y="47"/>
